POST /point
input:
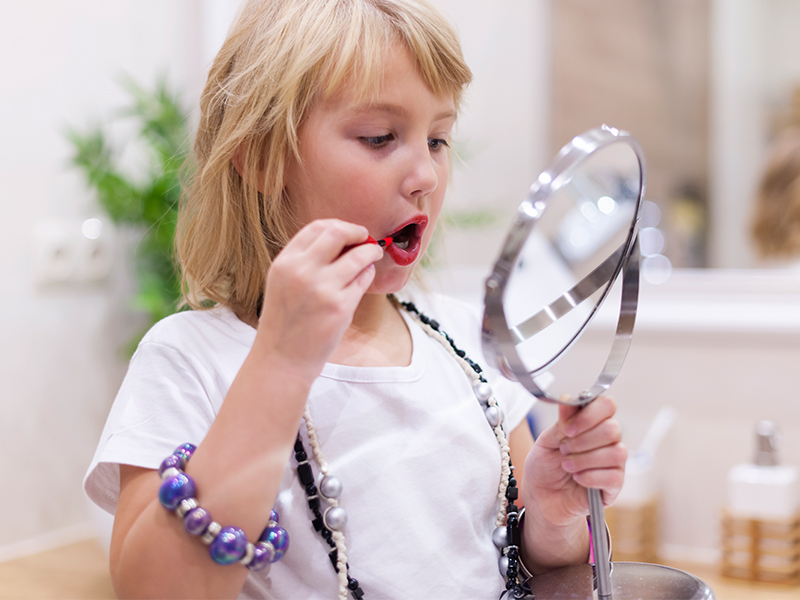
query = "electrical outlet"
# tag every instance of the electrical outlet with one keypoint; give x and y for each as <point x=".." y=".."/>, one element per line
<point x="72" y="251"/>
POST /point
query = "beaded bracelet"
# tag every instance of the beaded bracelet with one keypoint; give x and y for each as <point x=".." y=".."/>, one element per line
<point x="227" y="545"/>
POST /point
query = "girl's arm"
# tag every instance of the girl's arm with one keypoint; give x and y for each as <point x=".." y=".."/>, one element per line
<point x="581" y="450"/>
<point x="311" y="294"/>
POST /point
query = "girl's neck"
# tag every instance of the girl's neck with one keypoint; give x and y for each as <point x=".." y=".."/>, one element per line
<point x="377" y="337"/>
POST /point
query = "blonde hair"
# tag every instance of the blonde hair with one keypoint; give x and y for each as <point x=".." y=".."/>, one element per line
<point x="776" y="225"/>
<point x="278" y="59"/>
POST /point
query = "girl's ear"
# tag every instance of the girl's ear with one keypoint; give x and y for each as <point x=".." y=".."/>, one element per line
<point x="238" y="161"/>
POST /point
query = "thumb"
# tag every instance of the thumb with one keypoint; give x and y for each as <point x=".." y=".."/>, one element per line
<point x="565" y="413"/>
<point x="553" y="436"/>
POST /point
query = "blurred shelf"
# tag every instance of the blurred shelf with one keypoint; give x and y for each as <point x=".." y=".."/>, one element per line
<point x="80" y="572"/>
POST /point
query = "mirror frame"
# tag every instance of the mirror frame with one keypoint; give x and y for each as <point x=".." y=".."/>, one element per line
<point x="499" y="343"/>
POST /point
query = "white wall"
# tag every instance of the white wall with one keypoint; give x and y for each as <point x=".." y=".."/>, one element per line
<point x="503" y="131"/>
<point x="59" y="358"/>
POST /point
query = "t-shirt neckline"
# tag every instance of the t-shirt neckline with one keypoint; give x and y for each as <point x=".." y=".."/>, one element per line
<point x="411" y="372"/>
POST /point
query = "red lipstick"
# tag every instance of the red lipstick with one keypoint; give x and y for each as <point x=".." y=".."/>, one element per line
<point x="384" y="243"/>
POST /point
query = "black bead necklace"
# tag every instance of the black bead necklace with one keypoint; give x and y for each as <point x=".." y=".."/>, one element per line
<point x="509" y="544"/>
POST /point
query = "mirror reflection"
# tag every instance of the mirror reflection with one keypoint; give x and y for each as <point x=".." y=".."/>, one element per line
<point x="566" y="265"/>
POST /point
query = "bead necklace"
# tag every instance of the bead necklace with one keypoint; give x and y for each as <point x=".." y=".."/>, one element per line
<point x="330" y="521"/>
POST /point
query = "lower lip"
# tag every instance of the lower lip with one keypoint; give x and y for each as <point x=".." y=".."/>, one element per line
<point x="410" y="254"/>
<point x="404" y="257"/>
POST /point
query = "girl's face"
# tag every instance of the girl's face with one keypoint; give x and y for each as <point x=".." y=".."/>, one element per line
<point x="382" y="164"/>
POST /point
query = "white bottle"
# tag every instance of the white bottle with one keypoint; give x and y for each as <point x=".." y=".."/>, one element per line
<point x="764" y="489"/>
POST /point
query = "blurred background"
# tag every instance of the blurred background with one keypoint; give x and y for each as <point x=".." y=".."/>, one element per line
<point x="100" y="95"/>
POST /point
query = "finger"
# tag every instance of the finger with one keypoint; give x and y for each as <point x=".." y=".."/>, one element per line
<point x="590" y="416"/>
<point x="327" y="238"/>
<point x="566" y="412"/>
<point x="607" y="480"/>
<point x="606" y="433"/>
<point x="551" y="437"/>
<point x="361" y="283"/>
<point x="350" y="264"/>
<point x="608" y="457"/>
<point x="337" y="237"/>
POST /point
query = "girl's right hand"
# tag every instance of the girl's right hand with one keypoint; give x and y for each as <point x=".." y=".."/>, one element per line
<point x="312" y="291"/>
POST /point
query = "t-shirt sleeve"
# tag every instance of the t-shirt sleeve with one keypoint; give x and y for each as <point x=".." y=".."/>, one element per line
<point x="515" y="401"/>
<point x="163" y="402"/>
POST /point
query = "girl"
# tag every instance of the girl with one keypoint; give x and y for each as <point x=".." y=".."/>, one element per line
<point x="309" y="388"/>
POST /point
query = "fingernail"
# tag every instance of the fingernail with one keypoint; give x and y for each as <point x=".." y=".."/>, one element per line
<point x="571" y="429"/>
<point x="568" y="466"/>
<point x="563" y="449"/>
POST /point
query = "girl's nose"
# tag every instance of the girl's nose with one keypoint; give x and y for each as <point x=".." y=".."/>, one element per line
<point x="422" y="178"/>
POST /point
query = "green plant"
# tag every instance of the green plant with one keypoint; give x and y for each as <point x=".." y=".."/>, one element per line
<point x="150" y="202"/>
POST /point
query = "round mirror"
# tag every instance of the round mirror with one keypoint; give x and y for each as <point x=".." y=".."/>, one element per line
<point x="572" y="246"/>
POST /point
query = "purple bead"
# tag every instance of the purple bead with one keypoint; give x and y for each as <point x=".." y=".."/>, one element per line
<point x="229" y="546"/>
<point x="261" y="557"/>
<point x="196" y="521"/>
<point x="273" y="516"/>
<point x="185" y="450"/>
<point x="279" y="539"/>
<point x="176" y="461"/>
<point x="175" y="489"/>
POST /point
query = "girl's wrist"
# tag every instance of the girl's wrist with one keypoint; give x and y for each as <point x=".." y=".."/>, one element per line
<point x="547" y="546"/>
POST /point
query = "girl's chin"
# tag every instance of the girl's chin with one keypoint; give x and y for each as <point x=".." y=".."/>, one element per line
<point x="389" y="284"/>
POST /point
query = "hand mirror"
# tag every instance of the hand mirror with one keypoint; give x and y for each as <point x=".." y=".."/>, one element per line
<point x="574" y="236"/>
<point x="572" y="252"/>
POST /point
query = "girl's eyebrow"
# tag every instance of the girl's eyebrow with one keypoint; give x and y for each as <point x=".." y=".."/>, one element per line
<point x="400" y="111"/>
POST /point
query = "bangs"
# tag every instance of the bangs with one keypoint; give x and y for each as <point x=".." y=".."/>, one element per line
<point x="358" y="61"/>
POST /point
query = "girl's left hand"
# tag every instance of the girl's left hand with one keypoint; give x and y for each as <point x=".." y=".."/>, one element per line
<point x="583" y="449"/>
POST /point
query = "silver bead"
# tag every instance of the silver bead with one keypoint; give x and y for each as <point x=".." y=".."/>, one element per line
<point x="502" y="564"/>
<point x="483" y="391"/>
<point x="168" y="473"/>
<point x="212" y="531"/>
<point x="494" y="415"/>
<point x="269" y="548"/>
<point x="330" y="486"/>
<point x="335" y="518"/>
<point x="248" y="554"/>
<point x="185" y="506"/>
<point x="500" y="537"/>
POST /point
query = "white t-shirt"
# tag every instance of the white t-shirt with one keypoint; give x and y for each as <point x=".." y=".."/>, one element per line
<point x="419" y="463"/>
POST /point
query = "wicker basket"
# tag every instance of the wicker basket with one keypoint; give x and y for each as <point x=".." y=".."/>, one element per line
<point x="761" y="550"/>
<point x="634" y="531"/>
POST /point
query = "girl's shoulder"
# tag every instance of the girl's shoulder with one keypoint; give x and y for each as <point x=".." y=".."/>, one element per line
<point x="186" y="329"/>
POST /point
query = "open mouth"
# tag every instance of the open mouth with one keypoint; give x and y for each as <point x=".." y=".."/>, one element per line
<point x="406" y="242"/>
<point x="403" y="238"/>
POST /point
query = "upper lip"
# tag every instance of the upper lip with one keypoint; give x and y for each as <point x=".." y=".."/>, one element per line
<point x="421" y="221"/>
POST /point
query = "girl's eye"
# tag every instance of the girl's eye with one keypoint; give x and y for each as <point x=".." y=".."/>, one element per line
<point x="437" y="144"/>
<point x="378" y="141"/>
